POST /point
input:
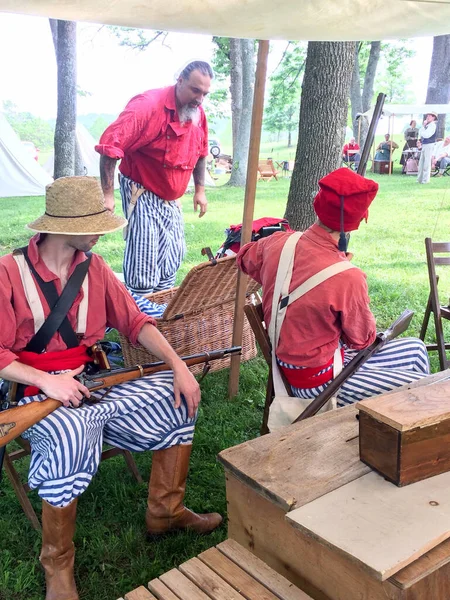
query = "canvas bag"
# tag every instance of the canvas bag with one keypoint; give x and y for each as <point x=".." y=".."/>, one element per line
<point x="285" y="409"/>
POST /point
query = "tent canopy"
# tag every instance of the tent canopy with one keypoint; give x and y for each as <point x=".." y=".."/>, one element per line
<point x="411" y="109"/>
<point x="316" y="20"/>
<point x="20" y="174"/>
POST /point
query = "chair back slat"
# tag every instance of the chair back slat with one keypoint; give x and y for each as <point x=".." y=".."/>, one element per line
<point x="441" y="260"/>
<point x="440" y="247"/>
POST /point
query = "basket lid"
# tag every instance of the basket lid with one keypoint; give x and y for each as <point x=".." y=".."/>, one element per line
<point x="207" y="285"/>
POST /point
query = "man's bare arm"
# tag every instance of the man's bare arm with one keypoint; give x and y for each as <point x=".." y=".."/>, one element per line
<point x="107" y="168"/>
<point x="199" y="181"/>
<point x="199" y="172"/>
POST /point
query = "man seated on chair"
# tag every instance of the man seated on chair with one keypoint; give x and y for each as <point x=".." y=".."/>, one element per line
<point x="385" y="149"/>
<point x="350" y="152"/>
<point x="441" y="156"/>
<point x="155" y="413"/>
<point x="333" y="320"/>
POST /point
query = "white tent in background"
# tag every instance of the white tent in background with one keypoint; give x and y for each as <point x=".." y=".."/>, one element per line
<point x="89" y="157"/>
<point x="20" y="174"/>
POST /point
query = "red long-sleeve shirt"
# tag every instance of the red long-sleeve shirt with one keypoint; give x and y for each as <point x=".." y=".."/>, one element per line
<point x="337" y="309"/>
<point x="157" y="150"/>
<point x="110" y="305"/>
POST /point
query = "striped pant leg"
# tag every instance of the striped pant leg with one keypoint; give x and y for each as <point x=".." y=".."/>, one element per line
<point x="400" y="362"/>
<point x="155" y="243"/>
<point x="66" y="445"/>
<point x="153" y="424"/>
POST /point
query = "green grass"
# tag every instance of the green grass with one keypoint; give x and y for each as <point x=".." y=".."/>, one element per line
<point x="113" y="556"/>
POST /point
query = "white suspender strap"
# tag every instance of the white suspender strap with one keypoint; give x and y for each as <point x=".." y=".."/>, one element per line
<point x="34" y="301"/>
<point x="316" y="279"/>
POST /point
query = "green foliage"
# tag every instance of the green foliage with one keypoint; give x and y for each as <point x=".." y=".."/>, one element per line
<point x="98" y="127"/>
<point x="282" y="111"/>
<point x="390" y="78"/>
<point x="138" y="39"/>
<point x="29" y="128"/>
<point x="221" y="58"/>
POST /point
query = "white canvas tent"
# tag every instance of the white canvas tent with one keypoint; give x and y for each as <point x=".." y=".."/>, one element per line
<point x="261" y="19"/>
<point x="20" y="174"/>
<point x="391" y="110"/>
<point x="89" y="157"/>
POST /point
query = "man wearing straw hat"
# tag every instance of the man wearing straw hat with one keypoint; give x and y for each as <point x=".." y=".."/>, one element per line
<point x="154" y="413"/>
<point x="326" y="324"/>
<point x="162" y="139"/>
<point x="427" y="136"/>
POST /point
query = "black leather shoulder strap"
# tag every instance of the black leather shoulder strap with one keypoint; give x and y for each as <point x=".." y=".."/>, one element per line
<point x="59" y="306"/>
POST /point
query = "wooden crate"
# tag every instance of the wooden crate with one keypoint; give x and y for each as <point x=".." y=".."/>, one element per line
<point x="405" y="436"/>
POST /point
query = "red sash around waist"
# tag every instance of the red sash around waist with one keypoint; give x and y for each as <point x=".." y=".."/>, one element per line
<point x="72" y="358"/>
<point x="307" y="378"/>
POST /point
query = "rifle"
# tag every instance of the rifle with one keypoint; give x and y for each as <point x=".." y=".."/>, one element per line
<point x="397" y="327"/>
<point x="14" y="421"/>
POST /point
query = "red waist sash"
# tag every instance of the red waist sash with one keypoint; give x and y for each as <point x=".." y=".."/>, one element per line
<point x="72" y="358"/>
<point x="307" y="378"/>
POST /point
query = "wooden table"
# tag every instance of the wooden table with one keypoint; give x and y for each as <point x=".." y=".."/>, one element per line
<point x="280" y="472"/>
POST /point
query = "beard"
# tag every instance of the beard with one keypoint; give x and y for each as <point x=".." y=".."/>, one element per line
<point x="189" y="113"/>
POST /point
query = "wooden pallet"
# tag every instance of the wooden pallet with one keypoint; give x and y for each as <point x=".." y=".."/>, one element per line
<point x="226" y="572"/>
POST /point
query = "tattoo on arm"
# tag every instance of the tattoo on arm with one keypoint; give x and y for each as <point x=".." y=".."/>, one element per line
<point x="107" y="167"/>
<point x="199" y="171"/>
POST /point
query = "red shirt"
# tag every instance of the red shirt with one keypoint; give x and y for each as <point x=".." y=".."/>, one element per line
<point x="336" y="309"/>
<point x="157" y="150"/>
<point x="110" y="305"/>
<point x="348" y="147"/>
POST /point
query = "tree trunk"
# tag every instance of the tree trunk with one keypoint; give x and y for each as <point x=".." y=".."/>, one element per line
<point x="235" y="86"/>
<point x="323" y="115"/>
<point x="241" y="146"/>
<point x="369" y="77"/>
<point x="438" y="91"/>
<point x="65" y="41"/>
<point x="362" y="102"/>
<point x="355" y="92"/>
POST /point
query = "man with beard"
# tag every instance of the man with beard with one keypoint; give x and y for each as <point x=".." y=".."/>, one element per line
<point x="161" y="139"/>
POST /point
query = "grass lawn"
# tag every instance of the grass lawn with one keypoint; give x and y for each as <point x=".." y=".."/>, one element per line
<point x="113" y="556"/>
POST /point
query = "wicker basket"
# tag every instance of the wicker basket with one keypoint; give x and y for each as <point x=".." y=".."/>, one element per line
<point x="199" y="316"/>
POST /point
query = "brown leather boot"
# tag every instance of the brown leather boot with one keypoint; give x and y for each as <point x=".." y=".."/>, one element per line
<point x="58" y="551"/>
<point x="165" y="509"/>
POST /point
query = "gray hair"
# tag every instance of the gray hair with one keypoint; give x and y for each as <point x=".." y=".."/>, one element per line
<point x="197" y="65"/>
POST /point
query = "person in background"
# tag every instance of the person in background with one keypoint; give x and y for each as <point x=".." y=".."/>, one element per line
<point x="411" y="136"/>
<point x="161" y="138"/>
<point x="427" y="135"/>
<point x="350" y="152"/>
<point x="385" y="149"/>
<point x="441" y="156"/>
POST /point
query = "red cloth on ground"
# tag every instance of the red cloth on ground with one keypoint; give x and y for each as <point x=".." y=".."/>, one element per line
<point x="157" y="150"/>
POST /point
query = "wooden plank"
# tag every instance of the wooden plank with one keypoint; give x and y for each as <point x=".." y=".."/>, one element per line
<point x="429" y="563"/>
<point x="161" y="591"/>
<point x="409" y="409"/>
<point x="297" y="464"/>
<point x="181" y="586"/>
<point x="382" y="527"/>
<point x="235" y="576"/>
<point x="140" y="593"/>
<point x="207" y="580"/>
<point x="256" y="568"/>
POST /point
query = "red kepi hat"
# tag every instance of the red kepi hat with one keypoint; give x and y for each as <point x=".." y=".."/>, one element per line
<point x="343" y="200"/>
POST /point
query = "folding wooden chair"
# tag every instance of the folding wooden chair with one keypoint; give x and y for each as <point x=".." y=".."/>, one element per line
<point x="255" y="317"/>
<point x="21" y="489"/>
<point x="433" y="305"/>
<point x="266" y="170"/>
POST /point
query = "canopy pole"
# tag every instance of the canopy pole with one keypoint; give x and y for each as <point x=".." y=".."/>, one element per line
<point x="249" y="206"/>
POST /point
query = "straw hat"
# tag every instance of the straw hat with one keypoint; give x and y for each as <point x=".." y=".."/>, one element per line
<point x="433" y="114"/>
<point x="76" y="206"/>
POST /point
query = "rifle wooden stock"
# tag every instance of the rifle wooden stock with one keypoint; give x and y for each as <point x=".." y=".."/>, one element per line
<point x="398" y="327"/>
<point x="14" y="421"/>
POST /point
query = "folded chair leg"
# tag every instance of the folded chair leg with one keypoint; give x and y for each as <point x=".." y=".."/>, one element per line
<point x="269" y="398"/>
<point x="426" y="320"/>
<point x="21" y="493"/>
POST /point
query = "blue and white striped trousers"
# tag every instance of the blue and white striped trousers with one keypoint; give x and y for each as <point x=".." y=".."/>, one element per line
<point x="399" y="362"/>
<point x="66" y="446"/>
<point x="155" y="245"/>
